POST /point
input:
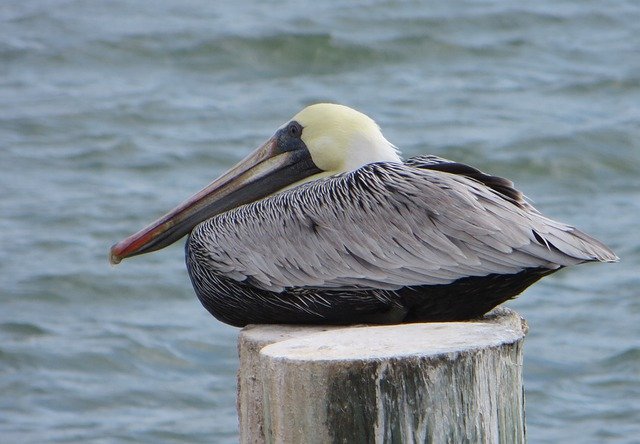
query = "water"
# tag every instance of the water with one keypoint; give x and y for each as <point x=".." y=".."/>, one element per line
<point x="113" y="112"/>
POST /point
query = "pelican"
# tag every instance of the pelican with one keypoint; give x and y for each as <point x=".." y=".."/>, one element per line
<point x="326" y="224"/>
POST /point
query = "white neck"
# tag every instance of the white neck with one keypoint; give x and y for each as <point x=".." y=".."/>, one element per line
<point x="368" y="148"/>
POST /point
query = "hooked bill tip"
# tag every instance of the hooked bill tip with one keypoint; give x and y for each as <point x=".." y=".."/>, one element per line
<point x="114" y="258"/>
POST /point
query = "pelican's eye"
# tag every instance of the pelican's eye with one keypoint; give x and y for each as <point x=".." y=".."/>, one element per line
<point x="294" y="129"/>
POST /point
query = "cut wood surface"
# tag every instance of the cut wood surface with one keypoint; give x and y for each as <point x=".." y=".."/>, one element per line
<point x="428" y="382"/>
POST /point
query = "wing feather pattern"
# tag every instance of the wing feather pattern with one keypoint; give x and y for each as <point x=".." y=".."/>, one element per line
<point x="387" y="226"/>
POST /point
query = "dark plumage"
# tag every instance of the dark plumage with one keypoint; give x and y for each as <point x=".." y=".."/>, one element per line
<point x="241" y="301"/>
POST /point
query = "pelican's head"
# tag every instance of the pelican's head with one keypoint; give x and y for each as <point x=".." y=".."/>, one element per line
<point x="321" y="140"/>
<point x="341" y="139"/>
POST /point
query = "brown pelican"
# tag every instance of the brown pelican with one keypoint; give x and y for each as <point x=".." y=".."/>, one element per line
<point x="325" y="223"/>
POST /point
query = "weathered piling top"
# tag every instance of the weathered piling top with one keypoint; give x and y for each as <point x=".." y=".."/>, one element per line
<point x="403" y="383"/>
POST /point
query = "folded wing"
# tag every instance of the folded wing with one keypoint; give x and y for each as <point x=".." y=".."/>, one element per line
<point x="387" y="226"/>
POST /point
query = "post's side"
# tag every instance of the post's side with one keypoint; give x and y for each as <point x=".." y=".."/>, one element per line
<point x="435" y="382"/>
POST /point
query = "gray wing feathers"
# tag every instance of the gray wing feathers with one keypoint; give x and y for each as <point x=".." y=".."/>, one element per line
<point x="386" y="226"/>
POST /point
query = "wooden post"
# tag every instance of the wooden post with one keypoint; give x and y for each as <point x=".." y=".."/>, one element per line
<point x="433" y="382"/>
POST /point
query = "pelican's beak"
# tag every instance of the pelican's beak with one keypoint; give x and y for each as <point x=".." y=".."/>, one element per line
<point x="265" y="171"/>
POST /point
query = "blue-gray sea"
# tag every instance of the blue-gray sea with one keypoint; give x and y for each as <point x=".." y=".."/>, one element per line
<point x="112" y="112"/>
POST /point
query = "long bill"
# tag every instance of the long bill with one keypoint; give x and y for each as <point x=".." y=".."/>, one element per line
<point x="265" y="171"/>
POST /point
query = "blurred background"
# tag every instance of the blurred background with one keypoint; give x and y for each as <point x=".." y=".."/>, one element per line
<point x="113" y="112"/>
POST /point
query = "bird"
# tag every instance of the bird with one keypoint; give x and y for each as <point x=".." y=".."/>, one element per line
<point x="325" y="223"/>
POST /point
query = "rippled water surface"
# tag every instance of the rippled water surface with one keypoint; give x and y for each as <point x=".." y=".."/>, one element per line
<point x="113" y="112"/>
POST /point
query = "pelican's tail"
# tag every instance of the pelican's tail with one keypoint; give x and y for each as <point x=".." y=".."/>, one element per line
<point x="595" y="250"/>
<point x="566" y="245"/>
